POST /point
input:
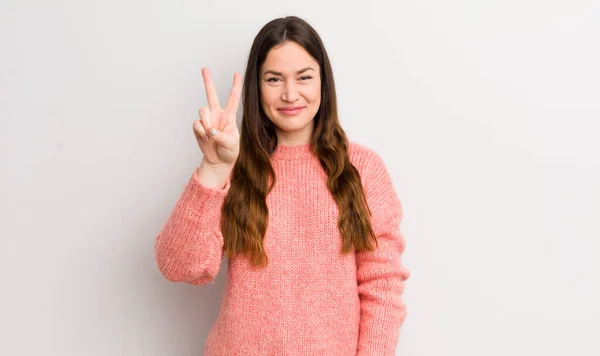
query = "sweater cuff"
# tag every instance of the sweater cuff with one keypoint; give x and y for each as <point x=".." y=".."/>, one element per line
<point x="204" y="202"/>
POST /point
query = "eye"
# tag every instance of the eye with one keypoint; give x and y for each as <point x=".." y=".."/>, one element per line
<point x="273" y="79"/>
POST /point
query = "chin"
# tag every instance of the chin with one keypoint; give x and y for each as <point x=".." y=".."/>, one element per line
<point x="289" y="125"/>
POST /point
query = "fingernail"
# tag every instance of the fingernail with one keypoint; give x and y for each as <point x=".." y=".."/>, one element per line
<point x="213" y="132"/>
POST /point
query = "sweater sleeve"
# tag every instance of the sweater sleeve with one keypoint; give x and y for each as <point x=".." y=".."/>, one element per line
<point x="380" y="273"/>
<point x="189" y="247"/>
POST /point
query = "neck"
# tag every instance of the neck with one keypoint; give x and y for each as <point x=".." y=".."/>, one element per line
<point x="288" y="152"/>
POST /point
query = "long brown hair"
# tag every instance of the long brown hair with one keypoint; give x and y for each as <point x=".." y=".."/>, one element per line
<point x="245" y="213"/>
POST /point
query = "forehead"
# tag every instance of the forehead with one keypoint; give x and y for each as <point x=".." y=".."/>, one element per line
<point x="288" y="58"/>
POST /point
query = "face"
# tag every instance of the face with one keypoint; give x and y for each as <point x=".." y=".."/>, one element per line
<point x="290" y="78"/>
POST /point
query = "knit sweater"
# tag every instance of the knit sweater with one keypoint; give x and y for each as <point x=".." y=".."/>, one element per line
<point x="310" y="299"/>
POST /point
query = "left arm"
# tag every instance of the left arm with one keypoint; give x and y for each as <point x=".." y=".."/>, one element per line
<point x="380" y="273"/>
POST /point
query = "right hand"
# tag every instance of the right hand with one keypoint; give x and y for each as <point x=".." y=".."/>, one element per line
<point x="223" y="148"/>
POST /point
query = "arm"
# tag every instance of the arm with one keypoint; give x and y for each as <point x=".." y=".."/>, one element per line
<point x="189" y="248"/>
<point x="380" y="273"/>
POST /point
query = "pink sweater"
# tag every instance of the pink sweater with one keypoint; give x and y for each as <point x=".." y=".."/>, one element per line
<point x="311" y="299"/>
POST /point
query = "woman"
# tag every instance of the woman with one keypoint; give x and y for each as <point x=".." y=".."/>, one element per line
<point x="309" y="220"/>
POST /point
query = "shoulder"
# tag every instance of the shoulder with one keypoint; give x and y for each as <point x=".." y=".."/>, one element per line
<point x="366" y="160"/>
<point x="377" y="182"/>
<point x="380" y="191"/>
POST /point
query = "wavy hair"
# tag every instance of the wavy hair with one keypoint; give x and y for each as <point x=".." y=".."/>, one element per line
<point x="245" y="213"/>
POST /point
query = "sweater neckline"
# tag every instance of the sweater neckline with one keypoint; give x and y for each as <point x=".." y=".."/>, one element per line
<point x="285" y="152"/>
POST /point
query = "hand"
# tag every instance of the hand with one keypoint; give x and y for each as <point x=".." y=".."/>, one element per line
<point x="223" y="148"/>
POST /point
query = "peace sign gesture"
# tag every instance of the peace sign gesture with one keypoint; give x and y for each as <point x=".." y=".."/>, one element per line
<point x="216" y="131"/>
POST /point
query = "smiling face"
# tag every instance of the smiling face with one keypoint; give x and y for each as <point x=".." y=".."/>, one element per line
<point x="290" y="79"/>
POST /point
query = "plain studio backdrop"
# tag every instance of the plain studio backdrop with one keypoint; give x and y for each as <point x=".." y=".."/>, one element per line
<point x="485" y="112"/>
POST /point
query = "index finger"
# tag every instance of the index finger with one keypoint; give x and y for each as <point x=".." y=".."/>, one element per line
<point x="211" y="91"/>
<point x="234" y="96"/>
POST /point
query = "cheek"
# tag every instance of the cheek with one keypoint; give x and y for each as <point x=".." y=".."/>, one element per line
<point x="268" y="97"/>
<point x="313" y="94"/>
<point x="314" y="97"/>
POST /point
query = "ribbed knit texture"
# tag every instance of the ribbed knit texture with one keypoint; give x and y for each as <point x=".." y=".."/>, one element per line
<point x="311" y="299"/>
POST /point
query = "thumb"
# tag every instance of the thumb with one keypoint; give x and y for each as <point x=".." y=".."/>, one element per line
<point x="223" y="139"/>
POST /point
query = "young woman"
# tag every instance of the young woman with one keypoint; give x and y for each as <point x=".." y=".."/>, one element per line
<point x="309" y="220"/>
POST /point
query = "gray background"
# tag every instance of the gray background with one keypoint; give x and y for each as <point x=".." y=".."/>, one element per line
<point x="486" y="113"/>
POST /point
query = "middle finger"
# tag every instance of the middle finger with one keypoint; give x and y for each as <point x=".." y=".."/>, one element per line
<point x="205" y="119"/>
<point x="211" y="91"/>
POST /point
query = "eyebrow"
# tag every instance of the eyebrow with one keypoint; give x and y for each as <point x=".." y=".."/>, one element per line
<point x="279" y="73"/>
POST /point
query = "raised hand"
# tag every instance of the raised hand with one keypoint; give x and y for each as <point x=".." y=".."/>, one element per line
<point x="216" y="131"/>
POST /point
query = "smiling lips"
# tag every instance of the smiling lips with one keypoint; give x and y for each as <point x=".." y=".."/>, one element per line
<point x="290" y="110"/>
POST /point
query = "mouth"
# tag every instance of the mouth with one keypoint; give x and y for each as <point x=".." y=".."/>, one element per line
<point x="290" y="110"/>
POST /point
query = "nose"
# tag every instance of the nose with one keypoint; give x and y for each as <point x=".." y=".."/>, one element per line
<point x="290" y="93"/>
